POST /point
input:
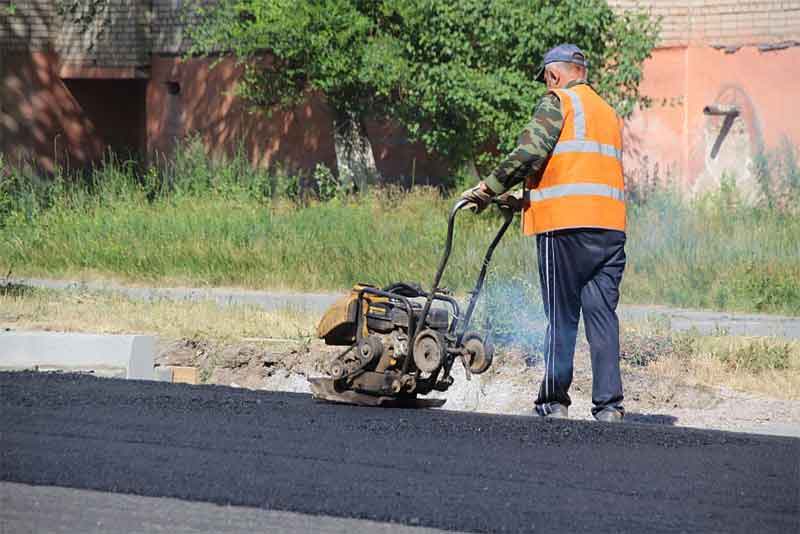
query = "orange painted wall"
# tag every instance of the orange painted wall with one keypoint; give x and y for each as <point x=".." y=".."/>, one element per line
<point x="674" y="138"/>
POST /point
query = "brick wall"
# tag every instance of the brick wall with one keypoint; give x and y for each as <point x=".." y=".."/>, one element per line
<point x="722" y="22"/>
<point x="169" y="20"/>
<point x="168" y="25"/>
<point x="28" y="26"/>
<point x="674" y="13"/>
<point x="743" y="22"/>
<point x="115" y="34"/>
<point x="108" y="33"/>
<point x="123" y="33"/>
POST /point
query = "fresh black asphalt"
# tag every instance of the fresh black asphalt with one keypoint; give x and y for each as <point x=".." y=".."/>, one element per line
<point x="440" y="469"/>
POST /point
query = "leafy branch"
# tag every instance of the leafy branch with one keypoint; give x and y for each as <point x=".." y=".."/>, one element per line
<point x="458" y="75"/>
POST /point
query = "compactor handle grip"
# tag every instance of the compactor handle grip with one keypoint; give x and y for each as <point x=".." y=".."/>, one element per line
<point x="503" y="203"/>
<point x="507" y="203"/>
<point x="462" y="204"/>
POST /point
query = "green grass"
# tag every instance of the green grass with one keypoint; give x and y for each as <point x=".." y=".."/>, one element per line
<point x="701" y="256"/>
<point x="223" y="240"/>
<point x="229" y="226"/>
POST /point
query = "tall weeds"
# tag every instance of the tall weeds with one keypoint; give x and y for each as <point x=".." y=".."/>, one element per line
<point x="199" y="221"/>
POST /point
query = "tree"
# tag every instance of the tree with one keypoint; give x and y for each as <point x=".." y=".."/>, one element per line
<point x="459" y="75"/>
<point x="311" y="46"/>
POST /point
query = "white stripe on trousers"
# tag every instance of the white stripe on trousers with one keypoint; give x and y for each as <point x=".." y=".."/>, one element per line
<point x="550" y="293"/>
<point x="549" y="310"/>
<point x="554" y="306"/>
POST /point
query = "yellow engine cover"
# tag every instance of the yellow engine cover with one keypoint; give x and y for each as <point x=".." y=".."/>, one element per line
<point x="338" y="324"/>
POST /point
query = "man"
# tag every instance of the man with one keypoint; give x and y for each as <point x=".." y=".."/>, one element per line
<point x="570" y="158"/>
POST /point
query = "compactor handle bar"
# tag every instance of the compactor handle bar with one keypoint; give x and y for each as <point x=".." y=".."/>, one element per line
<point x="508" y="214"/>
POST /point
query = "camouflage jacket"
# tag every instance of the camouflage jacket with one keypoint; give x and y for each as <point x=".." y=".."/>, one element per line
<point x="534" y="145"/>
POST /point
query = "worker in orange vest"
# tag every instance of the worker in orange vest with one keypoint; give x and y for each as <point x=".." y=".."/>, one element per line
<point x="570" y="160"/>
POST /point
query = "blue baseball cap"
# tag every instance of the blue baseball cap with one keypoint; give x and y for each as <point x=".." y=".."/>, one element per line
<point x="566" y="53"/>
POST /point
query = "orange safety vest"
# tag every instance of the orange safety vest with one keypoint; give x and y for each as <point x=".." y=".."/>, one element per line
<point x="582" y="184"/>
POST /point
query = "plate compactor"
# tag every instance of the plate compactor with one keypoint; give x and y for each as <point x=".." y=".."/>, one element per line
<point x="402" y="341"/>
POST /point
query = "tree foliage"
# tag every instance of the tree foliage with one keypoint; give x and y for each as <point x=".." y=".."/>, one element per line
<point x="459" y="75"/>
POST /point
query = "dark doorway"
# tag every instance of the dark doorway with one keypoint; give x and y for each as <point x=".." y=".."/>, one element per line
<point x="116" y="109"/>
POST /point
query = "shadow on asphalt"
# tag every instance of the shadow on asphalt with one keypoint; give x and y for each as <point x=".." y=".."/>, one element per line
<point x="630" y="417"/>
<point x="650" y="418"/>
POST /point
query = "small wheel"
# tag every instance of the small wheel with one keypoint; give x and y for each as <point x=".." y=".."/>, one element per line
<point x="428" y="351"/>
<point x="480" y="353"/>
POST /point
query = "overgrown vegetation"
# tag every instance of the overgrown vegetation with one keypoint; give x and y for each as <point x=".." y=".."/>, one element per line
<point x="197" y="221"/>
<point x="763" y="365"/>
<point x="651" y="340"/>
<point x="646" y="342"/>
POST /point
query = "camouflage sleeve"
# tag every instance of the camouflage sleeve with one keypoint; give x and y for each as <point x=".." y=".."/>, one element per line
<point x="534" y="145"/>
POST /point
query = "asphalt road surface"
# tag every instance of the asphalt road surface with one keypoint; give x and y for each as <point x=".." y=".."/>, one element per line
<point x="437" y="469"/>
<point x="26" y="509"/>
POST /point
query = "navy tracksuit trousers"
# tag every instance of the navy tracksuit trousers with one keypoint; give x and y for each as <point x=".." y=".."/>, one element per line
<point x="580" y="270"/>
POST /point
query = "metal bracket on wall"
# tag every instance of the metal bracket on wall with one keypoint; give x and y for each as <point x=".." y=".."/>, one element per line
<point x="730" y="113"/>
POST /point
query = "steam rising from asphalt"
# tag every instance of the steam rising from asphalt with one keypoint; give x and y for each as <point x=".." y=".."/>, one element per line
<point x="510" y="311"/>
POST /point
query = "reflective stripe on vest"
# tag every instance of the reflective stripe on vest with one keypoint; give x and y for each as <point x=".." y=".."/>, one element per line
<point x="582" y="185"/>
<point x="580" y="115"/>
<point x="580" y="144"/>
<point x="598" y="190"/>
<point x="587" y="146"/>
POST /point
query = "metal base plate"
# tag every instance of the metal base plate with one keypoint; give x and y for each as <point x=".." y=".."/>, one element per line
<point x="325" y="389"/>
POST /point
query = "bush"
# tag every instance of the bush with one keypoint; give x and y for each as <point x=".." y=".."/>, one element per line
<point x="758" y="356"/>
<point x="652" y="341"/>
<point x="328" y="186"/>
<point x="778" y="176"/>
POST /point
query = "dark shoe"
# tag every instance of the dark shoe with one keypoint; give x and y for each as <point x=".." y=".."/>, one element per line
<point x="552" y="410"/>
<point x="609" y="415"/>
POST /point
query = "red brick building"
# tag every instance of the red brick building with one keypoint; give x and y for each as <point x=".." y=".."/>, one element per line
<point x="75" y="82"/>
<point x="110" y="75"/>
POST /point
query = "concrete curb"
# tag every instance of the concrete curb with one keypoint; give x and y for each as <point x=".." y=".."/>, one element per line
<point x="113" y="354"/>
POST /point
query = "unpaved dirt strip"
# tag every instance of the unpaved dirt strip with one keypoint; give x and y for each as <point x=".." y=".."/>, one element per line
<point x="37" y="509"/>
<point x="705" y="322"/>
<point x="268" y="300"/>
<point x="437" y="469"/>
